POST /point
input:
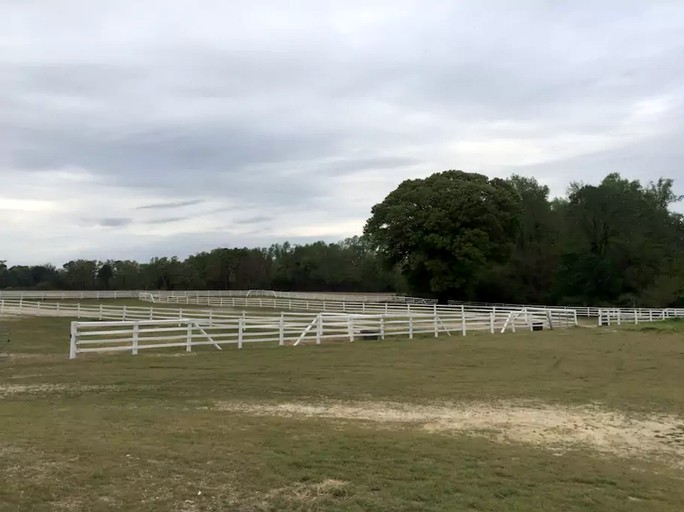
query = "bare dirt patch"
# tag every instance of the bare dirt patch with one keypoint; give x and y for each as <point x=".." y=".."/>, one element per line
<point x="544" y="425"/>
<point x="8" y="390"/>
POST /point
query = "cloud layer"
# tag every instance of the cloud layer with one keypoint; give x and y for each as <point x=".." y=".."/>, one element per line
<point x="132" y="129"/>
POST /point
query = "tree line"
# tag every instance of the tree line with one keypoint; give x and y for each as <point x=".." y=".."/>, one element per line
<point x="346" y="266"/>
<point x="452" y="235"/>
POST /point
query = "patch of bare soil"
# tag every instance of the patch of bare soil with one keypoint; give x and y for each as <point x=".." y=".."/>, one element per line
<point x="7" y="390"/>
<point x="544" y="425"/>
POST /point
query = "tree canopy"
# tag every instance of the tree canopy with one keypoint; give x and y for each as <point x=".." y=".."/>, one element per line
<point x="452" y="235"/>
<point x="446" y="229"/>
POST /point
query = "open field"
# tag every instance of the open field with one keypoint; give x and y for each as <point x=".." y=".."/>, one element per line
<point x="580" y="419"/>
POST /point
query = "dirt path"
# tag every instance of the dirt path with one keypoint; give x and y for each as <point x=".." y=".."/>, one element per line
<point x="554" y="427"/>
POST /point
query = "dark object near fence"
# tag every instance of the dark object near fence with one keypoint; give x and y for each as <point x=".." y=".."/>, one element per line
<point x="537" y="326"/>
<point x="370" y="335"/>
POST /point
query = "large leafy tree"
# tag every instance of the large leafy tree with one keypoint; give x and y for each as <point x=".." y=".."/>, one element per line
<point x="445" y="230"/>
<point x="620" y="238"/>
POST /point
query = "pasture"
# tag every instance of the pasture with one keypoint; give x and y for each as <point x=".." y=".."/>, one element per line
<point x="588" y="419"/>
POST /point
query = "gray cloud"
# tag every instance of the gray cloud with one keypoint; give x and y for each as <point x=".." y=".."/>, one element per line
<point x="254" y="220"/>
<point x="114" y="222"/>
<point x="294" y="123"/>
<point x="165" y="220"/>
<point x="172" y="204"/>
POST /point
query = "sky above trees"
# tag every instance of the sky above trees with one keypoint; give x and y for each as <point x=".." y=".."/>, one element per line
<point x="134" y="129"/>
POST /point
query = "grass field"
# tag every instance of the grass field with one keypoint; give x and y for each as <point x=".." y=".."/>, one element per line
<point x="585" y="419"/>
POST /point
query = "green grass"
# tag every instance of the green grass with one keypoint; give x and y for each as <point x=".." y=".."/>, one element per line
<point x="122" y="432"/>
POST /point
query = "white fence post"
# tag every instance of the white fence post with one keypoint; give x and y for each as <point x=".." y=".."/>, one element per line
<point x="319" y="328"/>
<point x="434" y="319"/>
<point x="188" y="347"/>
<point x="241" y="327"/>
<point x="410" y="327"/>
<point x="72" y="341"/>
<point x="463" y="321"/>
<point x="382" y="327"/>
<point x="491" y="322"/>
<point x="350" y="327"/>
<point x="281" y="330"/>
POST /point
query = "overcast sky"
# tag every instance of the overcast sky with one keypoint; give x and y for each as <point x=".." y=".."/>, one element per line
<point x="130" y="129"/>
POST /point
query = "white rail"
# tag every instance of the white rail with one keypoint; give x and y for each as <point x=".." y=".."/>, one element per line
<point x="285" y="328"/>
<point x="134" y="294"/>
<point x="620" y="316"/>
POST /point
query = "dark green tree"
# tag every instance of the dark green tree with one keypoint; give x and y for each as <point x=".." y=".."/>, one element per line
<point x="446" y="230"/>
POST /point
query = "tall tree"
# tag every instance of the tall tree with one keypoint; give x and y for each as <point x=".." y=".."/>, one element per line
<point x="446" y="230"/>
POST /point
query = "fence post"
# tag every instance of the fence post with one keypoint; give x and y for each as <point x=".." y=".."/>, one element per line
<point x="463" y="321"/>
<point x="382" y="327"/>
<point x="410" y="327"/>
<point x="319" y="328"/>
<point x="188" y="346"/>
<point x="350" y="327"/>
<point x="636" y="318"/>
<point x="124" y="314"/>
<point x="491" y="322"/>
<point x="136" y="328"/>
<point x="241" y="327"/>
<point x="619" y="317"/>
<point x="100" y="311"/>
<point x="434" y="319"/>
<point x="72" y="341"/>
<point x="281" y="340"/>
<point x="650" y="315"/>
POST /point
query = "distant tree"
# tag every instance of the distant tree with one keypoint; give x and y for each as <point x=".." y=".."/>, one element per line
<point x="105" y="274"/>
<point x="446" y="230"/>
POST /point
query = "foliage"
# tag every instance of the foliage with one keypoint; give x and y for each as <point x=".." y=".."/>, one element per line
<point x="445" y="230"/>
<point x="453" y="235"/>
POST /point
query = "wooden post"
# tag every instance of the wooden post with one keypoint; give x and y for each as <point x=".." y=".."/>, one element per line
<point x="100" y="311"/>
<point x="410" y="327"/>
<point x="434" y="319"/>
<point x="241" y="327"/>
<point x="382" y="327"/>
<point x="188" y="347"/>
<point x="491" y="322"/>
<point x="463" y="321"/>
<point x="281" y="340"/>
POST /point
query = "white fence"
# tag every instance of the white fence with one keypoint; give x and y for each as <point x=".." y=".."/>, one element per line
<point x="480" y="318"/>
<point x="338" y="306"/>
<point x="135" y="335"/>
<point x="620" y="316"/>
<point x="155" y="295"/>
<point x="583" y="311"/>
